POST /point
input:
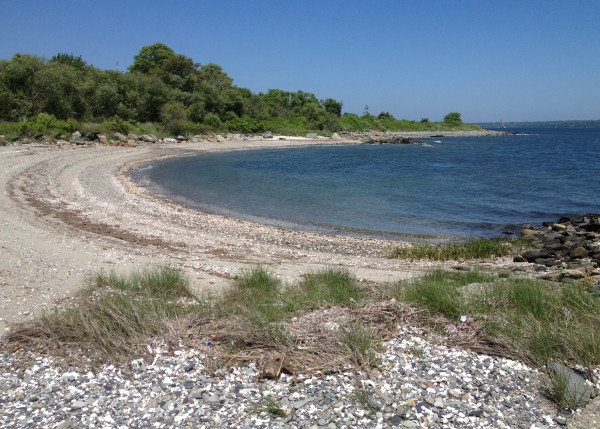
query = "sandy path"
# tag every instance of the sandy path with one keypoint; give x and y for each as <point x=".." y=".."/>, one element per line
<point x="65" y="214"/>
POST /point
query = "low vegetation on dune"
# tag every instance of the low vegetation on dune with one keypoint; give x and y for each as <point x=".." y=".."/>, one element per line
<point x="327" y="322"/>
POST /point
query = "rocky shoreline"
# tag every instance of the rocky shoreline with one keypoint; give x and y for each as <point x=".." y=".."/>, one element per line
<point x="133" y="140"/>
<point x="567" y="250"/>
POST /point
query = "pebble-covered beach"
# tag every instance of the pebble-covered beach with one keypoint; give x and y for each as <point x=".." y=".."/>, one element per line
<point x="420" y="384"/>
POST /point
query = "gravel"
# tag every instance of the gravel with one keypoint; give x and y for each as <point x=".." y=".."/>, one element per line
<point x="420" y="383"/>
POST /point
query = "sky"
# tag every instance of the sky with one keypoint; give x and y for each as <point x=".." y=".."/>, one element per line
<point x="510" y="60"/>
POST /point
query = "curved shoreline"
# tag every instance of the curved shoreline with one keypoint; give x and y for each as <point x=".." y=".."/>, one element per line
<point x="68" y="213"/>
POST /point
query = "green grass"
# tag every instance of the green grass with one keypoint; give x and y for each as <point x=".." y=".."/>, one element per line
<point x="532" y="320"/>
<point x="328" y="287"/>
<point x="478" y="248"/>
<point x="273" y="408"/>
<point x="360" y="341"/>
<point x="365" y="399"/>
<point x="114" y="312"/>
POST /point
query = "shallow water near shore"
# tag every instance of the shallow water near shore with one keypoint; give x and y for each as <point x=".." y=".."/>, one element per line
<point x="446" y="187"/>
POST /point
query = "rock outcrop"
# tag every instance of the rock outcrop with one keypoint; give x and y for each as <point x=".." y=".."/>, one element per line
<point x="567" y="250"/>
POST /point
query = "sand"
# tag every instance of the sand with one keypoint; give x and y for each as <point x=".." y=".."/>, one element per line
<point x="67" y="213"/>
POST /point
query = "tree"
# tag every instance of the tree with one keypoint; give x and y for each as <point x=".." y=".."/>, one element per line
<point x="151" y="57"/>
<point x="453" y="118"/>
<point x="332" y="106"/>
<point x="70" y="60"/>
<point x="213" y="74"/>
<point x="173" y="117"/>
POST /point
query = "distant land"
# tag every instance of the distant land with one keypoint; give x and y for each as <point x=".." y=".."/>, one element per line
<point x="541" y="124"/>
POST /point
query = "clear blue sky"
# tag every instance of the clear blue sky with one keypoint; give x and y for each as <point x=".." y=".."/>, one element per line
<point x="490" y="60"/>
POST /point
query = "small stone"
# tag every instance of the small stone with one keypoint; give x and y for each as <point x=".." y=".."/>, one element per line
<point x="561" y="420"/>
<point x="455" y="392"/>
<point x="475" y="413"/>
<point x="78" y="405"/>
<point x="196" y="394"/>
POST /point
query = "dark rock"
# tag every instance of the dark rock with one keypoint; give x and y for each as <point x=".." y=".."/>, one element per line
<point x="92" y="136"/>
<point x="591" y="227"/>
<point x="519" y="259"/>
<point x="532" y="255"/>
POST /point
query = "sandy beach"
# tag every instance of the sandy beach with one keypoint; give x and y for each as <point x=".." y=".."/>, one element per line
<point x="67" y="213"/>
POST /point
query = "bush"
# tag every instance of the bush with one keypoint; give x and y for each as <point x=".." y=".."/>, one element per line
<point x="44" y="123"/>
<point x="116" y="125"/>
<point x="212" y="121"/>
<point x="245" y="126"/>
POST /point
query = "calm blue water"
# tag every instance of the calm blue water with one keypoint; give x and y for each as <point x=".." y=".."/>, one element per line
<point x="475" y="186"/>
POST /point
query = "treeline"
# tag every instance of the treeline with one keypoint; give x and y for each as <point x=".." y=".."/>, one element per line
<point x="169" y="89"/>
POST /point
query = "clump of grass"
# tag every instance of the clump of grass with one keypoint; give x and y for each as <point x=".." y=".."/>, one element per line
<point x="114" y="314"/>
<point x="532" y="320"/>
<point x="359" y="340"/>
<point x="328" y="287"/>
<point x="439" y="291"/>
<point x="273" y="408"/>
<point x="364" y="398"/>
<point x="164" y="283"/>
<point x="478" y="248"/>
<point x="256" y="295"/>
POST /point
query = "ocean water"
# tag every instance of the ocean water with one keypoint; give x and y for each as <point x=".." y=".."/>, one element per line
<point x="447" y="187"/>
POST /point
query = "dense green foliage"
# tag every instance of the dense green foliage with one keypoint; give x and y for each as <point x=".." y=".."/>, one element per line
<point x="170" y="89"/>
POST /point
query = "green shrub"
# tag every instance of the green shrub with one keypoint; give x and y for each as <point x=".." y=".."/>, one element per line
<point x="116" y="125"/>
<point x="245" y="126"/>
